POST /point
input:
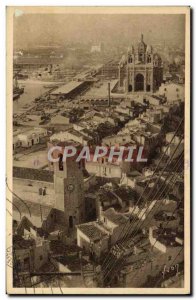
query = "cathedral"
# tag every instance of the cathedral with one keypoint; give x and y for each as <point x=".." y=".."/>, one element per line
<point x="140" y="70"/>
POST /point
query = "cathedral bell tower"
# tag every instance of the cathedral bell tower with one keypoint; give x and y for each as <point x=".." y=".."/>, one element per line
<point x="69" y="191"/>
<point x="142" y="71"/>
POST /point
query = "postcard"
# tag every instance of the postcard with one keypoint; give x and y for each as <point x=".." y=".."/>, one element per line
<point x="98" y="150"/>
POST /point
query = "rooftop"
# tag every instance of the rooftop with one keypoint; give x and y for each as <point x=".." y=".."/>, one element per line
<point x="58" y="142"/>
<point x="57" y="247"/>
<point x="115" y="217"/>
<point x="166" y="237"/>
<point x="21" y="243"/>
<point x="101" y="91"/>
<point x="67" y="88"/>
<point x="92" y="230"/>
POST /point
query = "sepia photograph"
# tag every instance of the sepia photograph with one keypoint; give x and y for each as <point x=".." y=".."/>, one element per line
<point x="98" y="150"/>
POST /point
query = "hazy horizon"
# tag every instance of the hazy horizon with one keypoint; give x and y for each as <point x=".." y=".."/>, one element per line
<point x="34" y="29"/>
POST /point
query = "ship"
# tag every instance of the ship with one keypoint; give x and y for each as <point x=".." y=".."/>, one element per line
<point x="17" y="91"/>
<point x="16" y="96"/>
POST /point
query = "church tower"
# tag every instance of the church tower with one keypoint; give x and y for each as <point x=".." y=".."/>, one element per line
<point x="69" y="191"/>
<point x="141" y="70"/>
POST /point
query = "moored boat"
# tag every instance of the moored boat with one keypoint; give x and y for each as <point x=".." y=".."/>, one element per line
<point x="16" y="96"/>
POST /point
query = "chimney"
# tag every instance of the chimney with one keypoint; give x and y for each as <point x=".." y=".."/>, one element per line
<point x="108" y="94"/>
<point x="142" y="37"/>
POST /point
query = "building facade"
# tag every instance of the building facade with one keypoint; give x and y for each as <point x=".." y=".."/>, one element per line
<point x="69" y="192"/>
<point x="140" y="70"/>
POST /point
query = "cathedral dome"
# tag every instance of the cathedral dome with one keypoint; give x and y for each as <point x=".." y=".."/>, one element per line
<point x="141" y="45"/>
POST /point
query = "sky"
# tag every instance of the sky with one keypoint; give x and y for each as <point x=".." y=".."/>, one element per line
<point x="35" y="29"/>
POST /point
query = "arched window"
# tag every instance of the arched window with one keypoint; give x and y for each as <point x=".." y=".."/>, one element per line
<point x="149" y="59"/>
<point x="60" y="162"/>
<point x="130" y="59"/>
<point x="139" y="82"/>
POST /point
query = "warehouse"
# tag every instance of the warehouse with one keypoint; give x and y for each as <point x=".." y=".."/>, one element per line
<point x="70" y="89"/>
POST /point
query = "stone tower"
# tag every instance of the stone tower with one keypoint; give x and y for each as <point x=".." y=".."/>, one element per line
<point x="69" y="191"/>
<point x="140" y="70"/>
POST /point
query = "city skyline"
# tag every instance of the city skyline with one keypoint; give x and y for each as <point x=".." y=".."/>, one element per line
<point x="31" y="30"/>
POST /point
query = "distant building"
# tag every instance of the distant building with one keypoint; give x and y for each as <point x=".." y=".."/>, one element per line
<point x="73" y="135"/>
<point x="97" y="48"/>
<point x="140" y="69"/>
<point x="28" y="139"/>
<point x="172" y="92"/>
<point x="109" y="70"/>
<point x="60" y="120"/>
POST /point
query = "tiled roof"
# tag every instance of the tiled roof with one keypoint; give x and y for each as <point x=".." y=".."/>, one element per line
<point x="92" y="231"/>
<point x="21" y="243"/>
<point x="125" y="194"/>
<point x="107" y="196"/>
<point x="114" y="217"/>
<point x="57" y="247"/>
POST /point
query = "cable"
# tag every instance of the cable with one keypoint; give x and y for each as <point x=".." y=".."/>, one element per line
<point x="135" y="218"/>
<point x="141" y="223"/>
<point x="120" y="263"/>
<point x="121" y="246"/>
<point x="162" y="231"/>
<point x="156" y="182"/>
<point x="151" y="176"/>
<point x="15" y="207"/>
<point x="18" y="197"/>
<point x="173" y="183"/>
<point x="8" y="212"/>
<point x="158" y="191"/>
